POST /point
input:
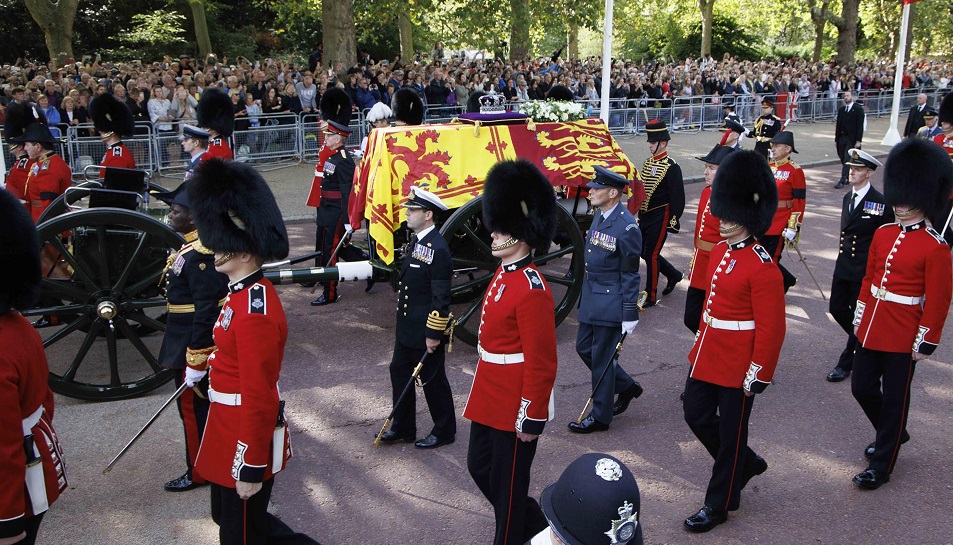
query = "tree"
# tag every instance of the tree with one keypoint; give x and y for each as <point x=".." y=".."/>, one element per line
<point x="819" y="20"/>
<point x="56" y="21"/>
<point x="707" y="8"/>
<point x="520" y="23"/>
<point x="405" y="27"/>
<point x="340" y="44"/>
<point x="846" y="25"/>
<point x="152" y="35"/>
<point x="201" y="28"/>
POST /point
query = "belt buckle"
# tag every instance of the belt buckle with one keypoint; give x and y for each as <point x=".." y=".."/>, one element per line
<point x="881" y="293"/>
<point x="708" y="319"/>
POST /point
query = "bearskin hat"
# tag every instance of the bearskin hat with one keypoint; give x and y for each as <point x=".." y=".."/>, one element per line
<point x="20" y="252"/>
<point x="336" y="106"/>
<point x="744" y="191"/>
<point x="473" y="103"/>
<point x="235" y="210"/>
<point x="946" y="109"/>
<point x="109" y="114"/>
<point x="18" y="117"/>
<point x="520" y="201"/>
<point x="408" y="107"/>
<point x="918" y="173"/>
<point x="560" y="92"/>
<point x="215" y="112"/>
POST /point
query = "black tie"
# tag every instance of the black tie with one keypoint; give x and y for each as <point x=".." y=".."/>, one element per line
<point x="850" y="208"/>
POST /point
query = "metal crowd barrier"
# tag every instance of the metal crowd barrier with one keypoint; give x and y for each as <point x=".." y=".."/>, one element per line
<point x="274" y="140"/>
<point x="84" y="147"/>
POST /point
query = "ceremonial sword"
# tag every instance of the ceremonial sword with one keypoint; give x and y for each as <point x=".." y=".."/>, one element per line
<point x="615" y="355"/>
<point x="144" y="428"/>
<point x="403" y="394"/>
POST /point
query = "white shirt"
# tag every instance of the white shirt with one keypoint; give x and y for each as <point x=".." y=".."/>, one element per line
<point x="424" y="233"/>
<point x="859" y="195"/>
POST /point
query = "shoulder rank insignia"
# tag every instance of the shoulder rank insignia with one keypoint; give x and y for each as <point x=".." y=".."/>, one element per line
<point x="762" y="253"/>
<point x="602" y="240"/>
<point x="535" y="281"/>
<point x="117" y="151"/>
<point x="939" y="238"/>
<point x="256" y="300"/>
<point x="873" y="208"/>
<point x="423" y="253"/>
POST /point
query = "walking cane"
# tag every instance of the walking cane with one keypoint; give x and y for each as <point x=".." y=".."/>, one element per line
<point x="615" y="355"/>
<point x="801" y="259"/>
<point x="144" y="428"/>
<point x="403" y="394"/>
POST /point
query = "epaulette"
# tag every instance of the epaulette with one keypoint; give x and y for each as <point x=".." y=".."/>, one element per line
<point x="535" y="281"/>
<point x="939" y="238"/>
<point x="257" y="303"/>
<point x="762" y="253"/>
<point x="793" y="164"/>
<point x="200" y="248"/>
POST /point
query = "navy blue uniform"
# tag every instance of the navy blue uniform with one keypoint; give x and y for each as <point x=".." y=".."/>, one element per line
<point x="423" y="310"/>
<point x="610" y="294"/>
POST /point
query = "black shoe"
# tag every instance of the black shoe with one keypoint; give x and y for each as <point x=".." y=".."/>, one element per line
<point x="370" y="285"/>
<point x="44" y="321"/>
<point x="588" y="425"/>
<point x="390" y="437"/>
<point x="869" y="451"/>
<point x="705" y="519"/>
<point x="838" y="374"/>
<point x="432" y="441"/>
<point x="753" y="468"/>
<point x="322" y="300"/>
<point x="630" y="393"/>
<point x="649" y="304"/>
<point x="182" y="484"/>
<point x="840" y="185"/>
<point x="871" y="479"/>
<point x="670" y="287"/>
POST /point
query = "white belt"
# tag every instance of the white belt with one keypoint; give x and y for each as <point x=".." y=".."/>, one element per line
<point x="232" y="400"/>
<point x="884" y="295"/>
<point x="732" y="325"/>
<point x="31" y="421"/>
<point x="501" y="359"/>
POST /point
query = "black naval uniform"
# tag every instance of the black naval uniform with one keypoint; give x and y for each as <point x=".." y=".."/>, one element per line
<point x="765" y="127"/>
<point x="195" y="293"/>
<point x="659" y="215"/>
<point x="332" y="213"/>
<point x="856" y="231"/>
<point x="423" y="310"/>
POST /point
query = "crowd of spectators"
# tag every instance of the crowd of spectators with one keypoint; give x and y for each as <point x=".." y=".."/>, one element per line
<point x="165" y="92"/>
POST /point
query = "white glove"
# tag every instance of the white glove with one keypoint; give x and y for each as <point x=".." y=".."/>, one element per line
<point x="348" y="228"/>
<point x="629" y="327"/>
<point x="193" y="376"/>
<point x="789" y="234"/>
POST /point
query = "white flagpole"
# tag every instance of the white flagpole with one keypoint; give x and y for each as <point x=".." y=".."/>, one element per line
<point x="606" y="64"/>
<point x="893" y="134"/>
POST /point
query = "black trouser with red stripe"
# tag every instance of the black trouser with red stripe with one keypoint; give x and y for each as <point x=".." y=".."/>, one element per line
<point x="193" y="410"/>
<point x="881" y="385"/>
<point x="500" y="466"/>
<point x="773" y="245"/>
<point x="843" y="302"/>
<point x="718" y="416"/>
<point x="248" y="522"/>
<point x="653" y="225"/>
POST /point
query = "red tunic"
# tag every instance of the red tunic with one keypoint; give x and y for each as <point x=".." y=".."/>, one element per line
<point x="909" y="262"/>
<point x="250" y="335"/>
<point x="706" y="236"/>
<point x="745" y="286"/>
<point x="49" y="178"/>
<point x="314" y="196"/>
<point x="117" y="155"/>
<point x="23" y="391"/>
<point x="16" y="178"/>
<point x="946" y="142"/>
<point x="218" y="147"/>
<point x="516" y="320"/>
<point x="792" y="191"/>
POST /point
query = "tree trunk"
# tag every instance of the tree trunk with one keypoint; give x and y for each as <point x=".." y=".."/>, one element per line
<point x="520" y="23"/>
<point x="405" y="27"/>
<point x="572" y="47"/>
<point x="847" y="31"/>
<point x="56" y="22"/>
<point x="819" y="19"/>
<point x="340" y="42"/>
<point x="201" y="30"/>
<point x="707" y="9"/>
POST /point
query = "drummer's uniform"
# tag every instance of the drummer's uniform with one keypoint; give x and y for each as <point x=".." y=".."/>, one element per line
<point x="512" y="391"/>
<point x="737" y="344"/>
<point x="16" y="178"/>
<point x="792" y="194"/>
<point x="706" y="236"/>
<point x="49" y="177"/>
<point x="765" y="127"/>
<point x="332" y="214"/>
<point x="31" y="464"/>
<point x="659" y="215"/>
<point x="117" y="155"/>
<point x="218" y="146"/>
<point x="902" y="307"/>
<point x="195" y="292"/>
<point x="423" y="312"/>
<point x="245" y="437"/>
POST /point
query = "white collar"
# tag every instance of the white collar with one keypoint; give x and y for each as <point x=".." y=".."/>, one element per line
<point x="424" y="233"/>
<point x="861" y="194"/>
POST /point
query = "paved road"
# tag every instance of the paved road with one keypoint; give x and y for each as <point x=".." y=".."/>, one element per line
<point x="341" y="490"/>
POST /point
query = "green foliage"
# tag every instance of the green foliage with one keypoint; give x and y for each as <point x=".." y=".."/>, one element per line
<point x="727" y="36"/>
<point x="151" y="35"/>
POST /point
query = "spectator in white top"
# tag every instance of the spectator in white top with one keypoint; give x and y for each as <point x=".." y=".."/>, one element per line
<point x="307" y="94"/>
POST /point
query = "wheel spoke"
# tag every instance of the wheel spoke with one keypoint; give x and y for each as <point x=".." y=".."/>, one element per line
<point x="469" y="262"/>
<point x="62" y="289"/>
<point x="91" y="335"/>
<point x="124" y="275"/>
<point x="478" y="243"/>
<point x="141" y="318"/>
<point x="78" y="270"/>
<point x="145" y="283"/>
<point x="103" y="255"/>
<point x="465" y="317"/>
<point x="123" y="326"/>
<point x="66" y="330"/>
<point x="558" y="279"/>
<point x="142" y="304"/>
<point x="114" y="379"/>
<point x="543" y="259"/>
<point x="61" y="310"/>
<point x="477" y="283"/>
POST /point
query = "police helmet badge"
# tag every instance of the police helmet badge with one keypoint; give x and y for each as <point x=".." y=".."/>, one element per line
<point x="623" y="529"/>
<point x="608" y="469"/>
